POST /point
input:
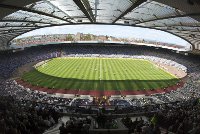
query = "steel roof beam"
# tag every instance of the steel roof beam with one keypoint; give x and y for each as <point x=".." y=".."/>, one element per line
<point x="19" y="26"/>
<point x="32" y="11"/>
<point x="4" y="37"/>
<point x="84" y="5"/>
<point x="28" y="21"/>
<point x="134" y="5"/>
<point x="170" y="17"/>
<point x="189" y="31"/>
<point x="15" y="29"/>
<point x="9" y="31"/>
<point x="185" y="34"/>
<point x="59" y="9"/>
<point x="11" y="34"/>
<point x="176" y="26"/>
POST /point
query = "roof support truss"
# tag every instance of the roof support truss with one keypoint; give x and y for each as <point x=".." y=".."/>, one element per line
<point x="25" y="21"/>
<point x="33" y="11"/>
<point x="59" y="9"/>
<point x="84" y="5"/>
<point x="170" y="17"/>
<point x="177" y="25"/>
<point x="20" y="26"/>
<point x="134" y="5"/>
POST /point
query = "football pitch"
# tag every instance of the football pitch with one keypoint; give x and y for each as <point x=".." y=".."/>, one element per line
<point x="100" y="74"/>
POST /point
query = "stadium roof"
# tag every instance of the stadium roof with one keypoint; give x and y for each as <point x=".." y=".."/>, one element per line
<point x="179" y="17"/>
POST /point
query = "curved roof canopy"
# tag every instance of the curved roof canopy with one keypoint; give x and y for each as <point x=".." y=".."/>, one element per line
<point x="179" y="17"/>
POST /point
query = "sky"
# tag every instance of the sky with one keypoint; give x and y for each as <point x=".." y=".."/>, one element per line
<point x="111" y="30"/>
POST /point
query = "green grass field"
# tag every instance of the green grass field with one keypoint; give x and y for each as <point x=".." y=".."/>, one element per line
<point x="100" y="74"/>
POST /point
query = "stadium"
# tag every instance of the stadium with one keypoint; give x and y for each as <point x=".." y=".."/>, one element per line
<point x="97" y="66"/>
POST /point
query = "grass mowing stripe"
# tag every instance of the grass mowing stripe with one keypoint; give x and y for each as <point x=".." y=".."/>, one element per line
<point x="120" y="68"/>
<point x="85" y="73"/>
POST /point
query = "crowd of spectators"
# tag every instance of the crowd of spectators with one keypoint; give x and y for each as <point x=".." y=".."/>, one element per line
<point x="177" y="119"/>
<point x="20" y="107"/>
<point x="140" y="126"/>
<point x="25" y="118"/>
<point x="105" y="122"/>
<point x="18" y="92"/>
<point x="181" y="119"/>
<point x="10" y="61"/>
<point x="76" y="125"/>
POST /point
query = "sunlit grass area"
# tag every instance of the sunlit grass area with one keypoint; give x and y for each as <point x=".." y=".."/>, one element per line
<point x="100" y="74"/>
